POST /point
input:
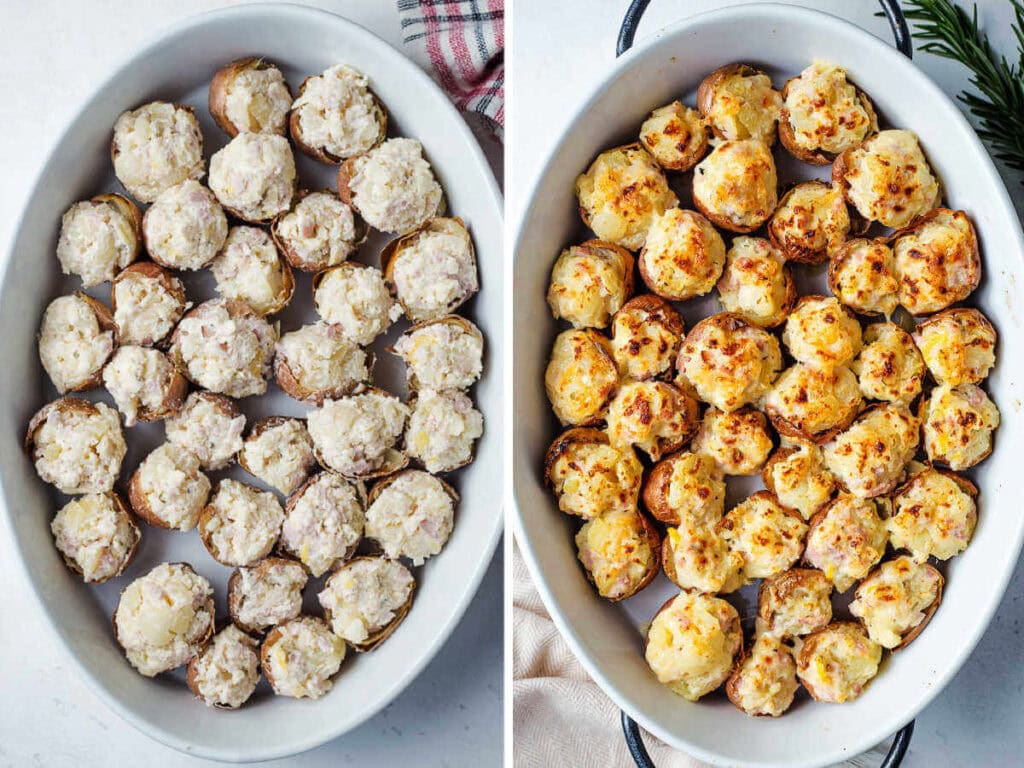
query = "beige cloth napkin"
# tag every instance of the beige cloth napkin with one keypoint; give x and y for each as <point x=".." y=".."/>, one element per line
<point x="560" y="717"/>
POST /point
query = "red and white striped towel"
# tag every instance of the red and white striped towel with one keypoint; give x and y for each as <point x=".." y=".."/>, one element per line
<point x="464" y="41"/>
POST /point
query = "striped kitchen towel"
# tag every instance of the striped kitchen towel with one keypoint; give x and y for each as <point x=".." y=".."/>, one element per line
<point x="464" y="43"/>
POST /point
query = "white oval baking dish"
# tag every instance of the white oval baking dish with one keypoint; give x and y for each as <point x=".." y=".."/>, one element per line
<point x="608" y="638"/>
<point x="178" y="65"/>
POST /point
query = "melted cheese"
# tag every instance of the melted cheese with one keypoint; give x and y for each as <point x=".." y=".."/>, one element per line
<point x="701" y="559"/>
<point x="822" y="333"/>
<point x="889" y="366"/>
<point x="811" y="223"/>
<point x="738" y="442"/>
<point x="894" y="599"/>
<point x="847" y="540"/>
<point x="794" y="603"/>
<point x="958" y="346"/>
<point x="692" y="644"/>
<point x="756" y="284"/>
<point x="728" y="363"/>
<point x="683" y="256"/>
<point x="745" y="107"/>
<point x="765" y="682"/>
<point x="838" y="662"/>
<point x="869" y="457"/>
<point x="696" y="488"/>
<point x="593" y="478"/>
<point x="937" y="262"/>
<point x="888" y="179"/>
<point x="825" y="111"/>
<point x="650" y="414"/>
<point x="862" y="275"/>
<point x="621" y="193"/>
<point x="675" y="136"/>
<point x="616" y="550"/>
<point x="588" y="285"/>
<point x="958" y="425"/>
<point x="811" y="402"/>
<point x="933" y="516"/>
<point x="799" y="479"/>
<point x="646" y="339"/>
<point x="737" y="182"/>
<point x="580" y="377"/>
<point x="769" y="536"/>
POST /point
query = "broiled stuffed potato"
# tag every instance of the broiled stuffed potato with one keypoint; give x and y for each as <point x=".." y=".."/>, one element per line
<point x="693" y="643"/>
<point x="764" y="683"/>
<point x="646" y="335"/>
<point x="957" y="424"/>
<point x="897" y="600"/>
<point x="824" y="114"/>
<point x="958" y="346"/>
<point x="590" y="283"/>
<point x="846" y="539"/>
<point x="655" y="416"/>
<point x="862" y="275"/>
<point x="794" y="603"/>
<point x="696" y="556"/>
<point x="868" y="458"/>
<point x="738" y="441"/>
<point x="836" y="663"/>
<point x="811" y="222"/>
<point x="683" y="256"/>
<point x="798" y="477"/>
<point x="685" y="486"/>
<point x="738" y="102"/>
<point x="621" y="193"/>
<point x="936" y="260"/>
<point x="889" y="366"/>
<point x="887" y="178"/>
<point x="736" y="186"/>
<point x="676" y="136"/>
<point x="768" y="535"/>
<point x="757" y="284"/>
<point x="621" y="553"/>
<point x="590" y="476"/>
<point x="934" y="515"/>
<point x="581" y="376"/>
<point x="814" y="404"/>
<point x="728" y="362"/>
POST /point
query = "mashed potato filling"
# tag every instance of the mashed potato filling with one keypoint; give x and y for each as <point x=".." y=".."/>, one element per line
<point x="257" y="100"/>
<point x="254" y="176"/>
<point x="164" y="617"/>
<point x="157" y="146"/>
<point x="173" y="486"/>
<point x="765" y="682"/>
<point x="320" y="231"/>
<point x="592" y="478"/>
<point x="412" y="516"/>
<point x="934" y="515"/>
<point x="267" y="594"/>
<point x="227" y="670"/>
<point x="321" y="358"/>
<point x="72" y="346"/>
<point x="394" y="187"/>
<point x="78" y="446"/>
<point x="96" y="241"/>
<point x="355" y="434"/>
<point x="683" y="255"/>
<point x="250" y="269"/>
<point x="442" y="355"/>
<point x="139" y="379"/>
<point x="301" y="658"/>
<point x="365" y="596"/>
<point x="756" y="283"/>
<point x="357" y="301"/>
<point x="825" y="111"/>
<point x="96" y="534"/>
<point x="958" y="425"/>
<point x="208" y="427"/>
<point x="145" y="311"/>
<point x="895" y="599"/>
<point x="241" y="523"/>
<point x="337" y="112"/>
<point x="185" y="227"/>
<point x="615" y="548"/>
<point x="280" y="455"/>
<point x="692" y="643"/>
<point x="323" y="523"/>
<point x="442" y="429"/>
<point x="889" y="180"/>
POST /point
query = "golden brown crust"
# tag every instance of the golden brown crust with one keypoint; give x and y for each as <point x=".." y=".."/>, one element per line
<point x="808" y="646"/>
<point x="815" y="156"/>
<point x="780" y="454"/>
<point x="837" y="259"/>
<point x="219" y="89"/>
<point x="724" y="222"/>
<point x="562" y="443"/>
<point x="650" y="533"/>
<point x="796" y="251"/>
<point x="688" y="152"/>
<point x="319" y="153"/>
<point x="382" y="634"/>
<point x="710" y="84"/>
<point x="780" y="589"/>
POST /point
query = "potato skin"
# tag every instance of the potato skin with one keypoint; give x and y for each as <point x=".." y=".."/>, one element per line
<point x="817" y="156"/>
<point x="219" y="89"/>
<point x="319" y="153"/>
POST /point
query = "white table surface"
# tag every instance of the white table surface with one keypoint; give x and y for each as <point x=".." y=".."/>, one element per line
<point x="977" y="720"/>
<point x="55" y="51"/>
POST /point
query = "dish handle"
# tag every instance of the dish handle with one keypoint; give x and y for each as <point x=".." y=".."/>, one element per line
<point x="905" y="45"/>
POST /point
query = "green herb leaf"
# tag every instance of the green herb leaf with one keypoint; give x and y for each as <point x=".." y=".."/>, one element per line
<point x="947" y="30"/>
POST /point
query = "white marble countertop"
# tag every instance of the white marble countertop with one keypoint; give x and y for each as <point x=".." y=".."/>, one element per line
<point x="976" y="720"/>
<point x="55" y="52"/>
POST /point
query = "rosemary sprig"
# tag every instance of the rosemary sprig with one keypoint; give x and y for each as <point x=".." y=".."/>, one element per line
<point x="948" y="31"/>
